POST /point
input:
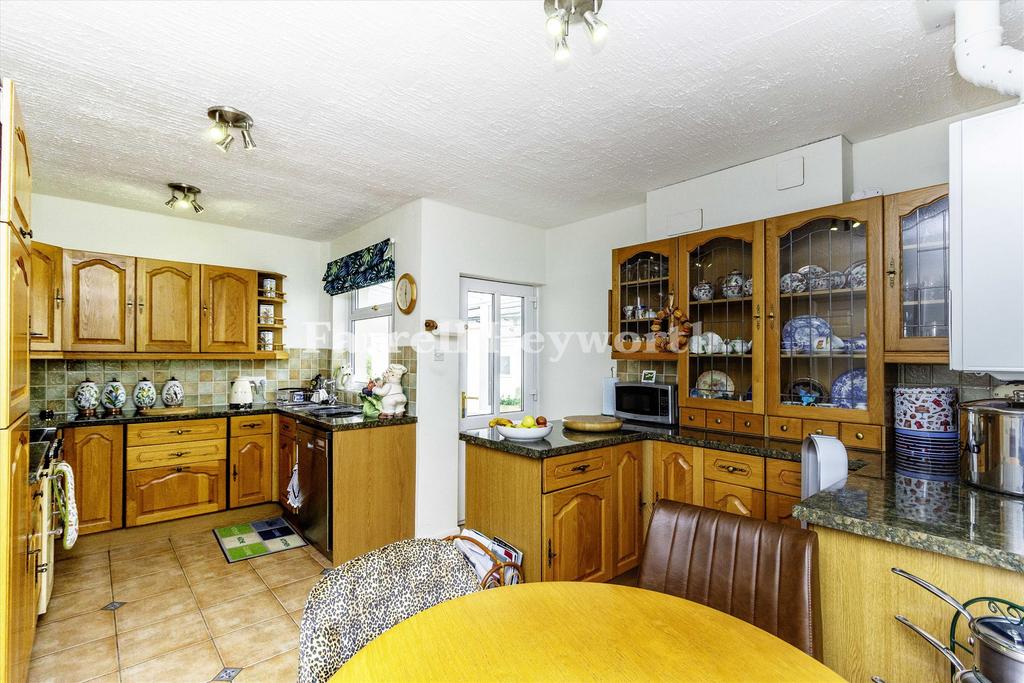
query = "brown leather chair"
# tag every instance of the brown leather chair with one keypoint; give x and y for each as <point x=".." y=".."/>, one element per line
<point x="762" y="572"/>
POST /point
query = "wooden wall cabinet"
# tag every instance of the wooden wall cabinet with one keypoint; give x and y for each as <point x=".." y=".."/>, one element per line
<point x="157" y="494"/>
<point x="251" y="464"/>
<point x="578" y="527"/>
<point x="16" y="164"/>
<point x="627" y="487"/>
<point x="100" y="302"/>
<point x="167" y="306"/>
<point x="47" y="300"/>
<point x="96" y="455"/>
<point x="14" y="327"/>
<point x="229" y="310"/>
<point x="18" y="572"/>
<point x="917" y="293"/>
<point x="678" y="473"/>
<point x="643" y="278"/>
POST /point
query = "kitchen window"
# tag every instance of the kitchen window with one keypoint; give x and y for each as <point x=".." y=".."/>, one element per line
<point x="370" y="321"/>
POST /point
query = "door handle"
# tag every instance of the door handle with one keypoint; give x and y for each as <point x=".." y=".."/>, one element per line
<point x="771" y="318"/>
<point x="464" y="399"/>
<point x="25" y="233"/>
<point x="551" y="555"/>
<point x="757" y="316"/>
<point x="178" y="454"/>
<point x="58" y="299"/>
<point x="234" y="472"/>
<point x="892" y="272"/>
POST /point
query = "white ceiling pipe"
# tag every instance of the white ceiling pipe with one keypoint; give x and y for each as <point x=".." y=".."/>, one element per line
<point x="981" y="57"/>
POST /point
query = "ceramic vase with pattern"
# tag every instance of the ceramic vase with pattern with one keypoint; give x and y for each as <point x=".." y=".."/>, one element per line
<point x="173" y="393"/>
<point x="114" y="396"/>
<point x="87" y="398"/>
<point x="144" y="395"/>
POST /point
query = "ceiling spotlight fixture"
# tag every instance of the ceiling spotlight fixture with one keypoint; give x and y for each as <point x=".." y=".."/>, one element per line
<point x="183" y="196"/>
<point x="561" y="13"/>
<point x="226" y="118"/>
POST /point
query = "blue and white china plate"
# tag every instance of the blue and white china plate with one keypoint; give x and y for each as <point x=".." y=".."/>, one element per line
<point x="801" y="331"/>
<point x="850" y="388"/>
<point x="811" y="271"/>
<point x="792" y="282"/>
<point x="806" y="390"/>
<point x="857" y="275"/>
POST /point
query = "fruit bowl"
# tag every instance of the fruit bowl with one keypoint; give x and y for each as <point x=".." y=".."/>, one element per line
<point x="524" y="433"/>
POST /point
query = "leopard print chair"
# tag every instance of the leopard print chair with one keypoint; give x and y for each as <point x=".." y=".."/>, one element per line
<point x="356" y="602"/>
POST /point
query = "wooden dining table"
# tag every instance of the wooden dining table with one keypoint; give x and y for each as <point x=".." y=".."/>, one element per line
<point x="567" y="631"/>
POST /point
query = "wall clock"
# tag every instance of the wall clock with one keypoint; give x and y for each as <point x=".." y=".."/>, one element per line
<point x="405" y="293"/>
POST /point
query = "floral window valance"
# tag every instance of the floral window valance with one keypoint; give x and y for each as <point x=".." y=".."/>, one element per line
<point x="366" y="267"/>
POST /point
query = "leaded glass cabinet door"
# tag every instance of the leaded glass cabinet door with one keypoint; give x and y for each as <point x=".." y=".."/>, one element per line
<point x="722" y="281"/>
<point x="824" y="335"/>
<point x="917" y="274"/>
<point x="644" y="279"/>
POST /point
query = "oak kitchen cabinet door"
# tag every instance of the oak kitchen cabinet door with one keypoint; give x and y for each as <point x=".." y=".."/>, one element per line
<point x="627" y="480"/>
<point x="229" y="309"/>
<point x="679" y="473"/>
<point x="166" y="306"/>
<point x="251" y="473"/>
<point x="96" y="455"/>
<point x="16" y="166"/>
<point x="47" y="285"/>
<point x="578" y="532"/>
<point x="285" y="458"/>
<point x="158" y="494"/>
<point x="14" y="344"/>
<point x="779" y="508"/>
<point x="18" y="600"/>
<point x="739" y="500"/>
<point x="100" y="302"/>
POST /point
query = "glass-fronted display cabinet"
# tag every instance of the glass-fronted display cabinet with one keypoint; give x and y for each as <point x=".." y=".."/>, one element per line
<point x="721" y="281"/>
<point x="824" y="339"/>
<point x="644" y="282"/>
<point x="917" y="275"/>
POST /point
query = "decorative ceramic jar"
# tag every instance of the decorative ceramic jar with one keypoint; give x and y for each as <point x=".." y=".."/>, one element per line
<point x="731" y="285"/>
<point x="748" y="287"/>
<point x="703" y="291"/>
<point x="87" y="397"/>
<point x="173" y="393"/>
<point x="266" y="340"/>
<point x="269" y="287"/>
<point x="144" y="395"/>
<point x="114" y="396"/>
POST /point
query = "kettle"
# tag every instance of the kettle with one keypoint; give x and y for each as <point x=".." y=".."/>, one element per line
<point x="241" y="393"/>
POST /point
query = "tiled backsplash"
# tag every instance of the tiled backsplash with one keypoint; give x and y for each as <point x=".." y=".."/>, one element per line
<point x="403" y="355"/>
<point x="206" y="382"/>
<point x="629" y="370"/>
<point x="970" y="386"/>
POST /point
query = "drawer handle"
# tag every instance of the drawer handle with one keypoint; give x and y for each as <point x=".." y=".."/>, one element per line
<point x="184" y="431"/>
<point x="746" y="423"/>
<point x="690" y="418"/>
<point x="251" y="425"/>
<point x="180" y="468"/>
<point x="178" y="454"/>
<point x="581" y="468"/>
<point x="860" y="436"/>
<point x="718" y="420"/>
<point x="732" y="469"/>
<point x="819" y="431"/>
<point x="784" y="428"/>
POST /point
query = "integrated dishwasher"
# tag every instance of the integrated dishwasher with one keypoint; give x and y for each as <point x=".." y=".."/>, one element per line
<point x="315" y="481"/>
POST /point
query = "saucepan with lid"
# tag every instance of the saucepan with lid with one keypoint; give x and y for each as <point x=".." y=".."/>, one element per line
<point x="998" y="640"/>
<point x="993" y="443"/>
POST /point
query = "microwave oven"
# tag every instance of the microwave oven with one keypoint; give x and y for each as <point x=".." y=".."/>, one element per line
<point x="646" y="402"/>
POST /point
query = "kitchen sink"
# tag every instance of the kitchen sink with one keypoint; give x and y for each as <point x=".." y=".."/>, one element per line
<point x="336" y="412"/>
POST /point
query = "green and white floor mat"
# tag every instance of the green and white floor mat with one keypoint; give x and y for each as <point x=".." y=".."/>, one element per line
<point x="245" y="541"/>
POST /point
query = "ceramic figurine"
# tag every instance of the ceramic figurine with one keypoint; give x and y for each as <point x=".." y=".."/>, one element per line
<point x="392" y="398"/>
<point x="173" y="393"/>
<point x="114" y="396"/>
<point x="732" y="285"/>
<point x="703" y="291"/>
<point x="87" y="397"/>
<point x="144" y="395"/>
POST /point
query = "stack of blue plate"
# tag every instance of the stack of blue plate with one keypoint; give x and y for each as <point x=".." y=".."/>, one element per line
<point x="928" y="455"/>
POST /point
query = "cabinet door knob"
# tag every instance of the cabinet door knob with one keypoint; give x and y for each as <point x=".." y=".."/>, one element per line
<point x="860" y="436"/>
<point x="690" y="418"/>
<point x="718" y="420"/>
<point x="746" y="423"/>
<point x="784" y="428"/>
<point x="818" y="431"/>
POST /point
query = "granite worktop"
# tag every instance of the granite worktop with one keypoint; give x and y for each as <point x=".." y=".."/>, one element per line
<point x="947" y="518"/>
<point x="563" y="441"/>
<point x="334" y="424"/>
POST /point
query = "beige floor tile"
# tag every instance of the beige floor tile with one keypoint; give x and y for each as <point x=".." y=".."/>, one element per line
<point x="60" y="635"/>
<point x="77" y="564"/>
<point x="291" y="570"/>
<point x="225" y="588"/>
<point x="194" y="538"/>
<point x="113" y="677"/>
<point x="153" y="640"/>
<point x="315" y="554"/>
<point x="198" y="663"/>
<point x="76" y="664"/>
<point x="130" y="569"/>
<point x="258" y="642"/>
<point x="241" y="612"/>
<point x="297" y="616"/>
<point x="129" y="590"/>
<point x="138" y="550"/>
<point x="212" y="569"/>
<point x="73" y="604"/>
<point x="198" y="553"/>
<point x="154" y="608"/>
<point x="283" y="667"/>
<point x="274" y="558"/>
<point x="97" y="577"/>
<point x="293" y="595"/>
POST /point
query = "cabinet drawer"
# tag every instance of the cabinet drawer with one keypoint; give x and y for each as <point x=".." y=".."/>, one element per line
<point x="862" y="436"/>
<point x="785" y="428"/>
<point x="691" y="417"/>
<point x="779" y="508"/>
<point x="734" y="468"/>
<point x="739" y="500"/>
<point x="149" y="433"/>
<point x="826" y="427"/>
<point x="782" y="476"/>
<point x="252" y="424"/>
<point x="157" y="494"/>
<point x="577" y="468"/>
<point x="159" y="455"/>
<point x="749" y="424"/>
<point x="287" y="426"/>
<point x="719" y="419"/>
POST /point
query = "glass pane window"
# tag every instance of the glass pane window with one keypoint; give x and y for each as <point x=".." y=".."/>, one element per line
<point x="479" y="389"/>
<point x="510" y="375"/>
<point x="370" y="347"/>
<point x="924" y="238"/>
<point x="375" y="295"/>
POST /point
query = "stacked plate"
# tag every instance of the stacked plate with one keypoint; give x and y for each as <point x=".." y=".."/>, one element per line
<point x="927" y="433"/>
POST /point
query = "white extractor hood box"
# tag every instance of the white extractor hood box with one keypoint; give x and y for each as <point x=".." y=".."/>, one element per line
<point x="802" y="178"/>
<point x="986" y="254"/>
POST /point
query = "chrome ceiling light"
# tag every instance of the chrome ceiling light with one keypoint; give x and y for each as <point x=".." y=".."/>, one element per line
<point x="183" y="196"/>
<point x="224" y="119"/>
<point x="561" y="13"/>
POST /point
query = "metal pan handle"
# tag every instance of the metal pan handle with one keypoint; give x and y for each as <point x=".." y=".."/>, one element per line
<point x="936" y="591"/>
<point x="946" y="652"/>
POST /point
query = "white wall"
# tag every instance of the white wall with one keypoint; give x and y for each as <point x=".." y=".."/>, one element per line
<point x="74" y="224"/>
<point x="575" y="299"/>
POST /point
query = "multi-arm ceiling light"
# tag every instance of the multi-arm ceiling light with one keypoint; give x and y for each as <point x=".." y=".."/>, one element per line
<point x="183" y="196"/>
<point x="226" y="118"/>
<point x="561" y="13"/>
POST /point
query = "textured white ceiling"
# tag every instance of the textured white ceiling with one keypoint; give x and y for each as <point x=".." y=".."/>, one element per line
<point x="363" y="106"/>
